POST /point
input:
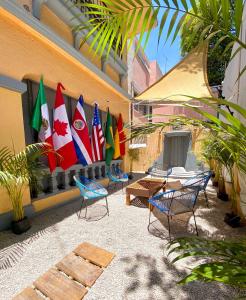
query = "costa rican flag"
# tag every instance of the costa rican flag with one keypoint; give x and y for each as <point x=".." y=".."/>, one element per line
<point x="97" y="138"/>
<point x="80" y="135"/>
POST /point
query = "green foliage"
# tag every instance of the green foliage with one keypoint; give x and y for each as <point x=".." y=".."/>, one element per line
<point x="226" y="260"/>
<point x="120" y="20"/>
<point x="17" y="170"/>
<point x="133" y="154"/>
<point x="218" y="58"/>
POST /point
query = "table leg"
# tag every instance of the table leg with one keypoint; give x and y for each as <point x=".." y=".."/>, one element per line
<point x="128" y="199"/>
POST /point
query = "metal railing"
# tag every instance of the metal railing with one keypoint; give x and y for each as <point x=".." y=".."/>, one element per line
<point x="61" y="181"/>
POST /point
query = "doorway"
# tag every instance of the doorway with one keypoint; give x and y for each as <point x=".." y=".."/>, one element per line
<point x="176" y="147"/>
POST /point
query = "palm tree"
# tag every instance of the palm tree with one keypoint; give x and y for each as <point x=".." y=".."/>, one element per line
<point x="17" y="170"/>
<point x="110" y="20"/>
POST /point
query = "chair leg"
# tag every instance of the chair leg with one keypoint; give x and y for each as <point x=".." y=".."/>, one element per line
<point x="86" y="211"/>
<point x="122" y="185"/>
<point x="169" y="228"/>
<point x="195" y="222"/>
<point x="149" y="217"/>
<point x="107" y="205"/>
<point x="206" y="197"/>
<point x="82" y="204"/>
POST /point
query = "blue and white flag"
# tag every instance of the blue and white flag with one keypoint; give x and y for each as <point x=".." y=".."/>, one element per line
<point x="80" y="134"/>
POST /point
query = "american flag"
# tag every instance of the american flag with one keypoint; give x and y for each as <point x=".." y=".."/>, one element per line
<point x="97" y="138"/>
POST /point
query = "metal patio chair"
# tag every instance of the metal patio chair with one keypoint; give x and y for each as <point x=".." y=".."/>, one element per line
<point x="117" y="176"/>
<point x="155" y="172"/>
<point x="199" y="182"/>
<point x="173" y="203"/>
<point x="90" y="190"/>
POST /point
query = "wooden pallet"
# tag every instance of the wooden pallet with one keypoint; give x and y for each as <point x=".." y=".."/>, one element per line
<point x="71" y="277"/>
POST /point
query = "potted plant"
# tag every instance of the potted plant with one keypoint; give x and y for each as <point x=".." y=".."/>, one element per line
<point x="133" y="156"/>
<point x="224" y="161"/>
<point x="17" y="171"/>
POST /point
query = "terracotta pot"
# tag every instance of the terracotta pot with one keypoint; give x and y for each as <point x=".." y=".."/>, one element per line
<point x="21" y="226"/>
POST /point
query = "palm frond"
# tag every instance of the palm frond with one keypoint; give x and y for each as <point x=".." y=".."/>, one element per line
<point x="17" y="170"/>
<point x="227" y="262"/>
<point x="124" y="19"/>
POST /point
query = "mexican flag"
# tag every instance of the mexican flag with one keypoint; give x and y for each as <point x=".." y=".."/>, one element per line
<point x="109" y="140"/>
<point x="41" y="123"/>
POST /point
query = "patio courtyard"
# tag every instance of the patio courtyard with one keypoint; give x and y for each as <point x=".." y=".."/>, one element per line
<point x="140" y="269"/>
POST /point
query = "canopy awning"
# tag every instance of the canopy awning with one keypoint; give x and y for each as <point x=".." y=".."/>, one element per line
<point x="188" y="77"/>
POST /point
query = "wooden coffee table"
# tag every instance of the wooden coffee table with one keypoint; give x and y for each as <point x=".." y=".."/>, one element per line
<point x="145" y="188"/>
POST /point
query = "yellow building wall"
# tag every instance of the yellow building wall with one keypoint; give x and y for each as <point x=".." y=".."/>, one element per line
<point x="147" y="155"/>
<point x="28" y="54"/>
<point x="12" y="133"/>
<point x="112" y="74"/>
<point x="85" y="50"/>
<point x="155" y="147"/>
<point x="60" y="28"/>
<point x="56" y="24"/>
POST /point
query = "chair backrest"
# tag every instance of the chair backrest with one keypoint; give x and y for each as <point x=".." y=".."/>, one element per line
<point x="119" y="173"/>
<point x="89" y="188"/>
<point x="81" y="187"/>
<point x="183" y="200"/>
<point x="201" y="180"/>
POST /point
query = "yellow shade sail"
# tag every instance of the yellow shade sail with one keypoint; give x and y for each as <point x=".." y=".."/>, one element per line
<point x="188" y="77"/>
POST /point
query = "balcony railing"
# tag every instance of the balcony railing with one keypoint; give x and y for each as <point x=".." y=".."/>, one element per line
<point x="91" y="16"/>
<point x="61" y="181"/>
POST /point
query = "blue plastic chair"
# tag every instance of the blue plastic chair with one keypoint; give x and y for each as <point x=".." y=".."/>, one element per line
<point x="90" y="190"/>
<point x="173" y="203"/>
<point x="199" y="182"/>
<point x="118" y="176"/>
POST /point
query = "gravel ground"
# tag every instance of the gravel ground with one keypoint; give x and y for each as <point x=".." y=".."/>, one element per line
<point x="140" y="270"/>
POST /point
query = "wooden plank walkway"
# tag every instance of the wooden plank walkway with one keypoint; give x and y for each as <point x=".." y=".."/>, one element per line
<point x="70" y="278"/>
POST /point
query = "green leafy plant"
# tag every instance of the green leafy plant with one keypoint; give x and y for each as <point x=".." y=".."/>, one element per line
<point x="17" y="170"/>
<point x="227" y="261"/>
<point x="113" y="24"/>
<point x="133" y="156"/>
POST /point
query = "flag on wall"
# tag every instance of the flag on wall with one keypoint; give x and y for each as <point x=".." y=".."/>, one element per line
<point x="62" y="137"/>
<point x="41" y="123"/>
<point x="97" y="138"/>
<point x="109" y="140"/>
<point x="80" y="134"/>
<point x="116" y="144"/>
<point x="119" y="139"/>
<point x="122" y="136"/>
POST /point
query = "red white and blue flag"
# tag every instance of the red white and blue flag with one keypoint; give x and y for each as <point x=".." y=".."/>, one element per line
<point x="97" y="138"/>
<point x="80" y="135"/>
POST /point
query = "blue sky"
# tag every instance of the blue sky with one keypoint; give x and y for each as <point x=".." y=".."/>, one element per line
<point x="167" y="54"/>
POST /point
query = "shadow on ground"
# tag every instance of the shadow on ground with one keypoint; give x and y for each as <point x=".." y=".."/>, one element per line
<point x="149" y="274"/>
<point x="13" y="247"/>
